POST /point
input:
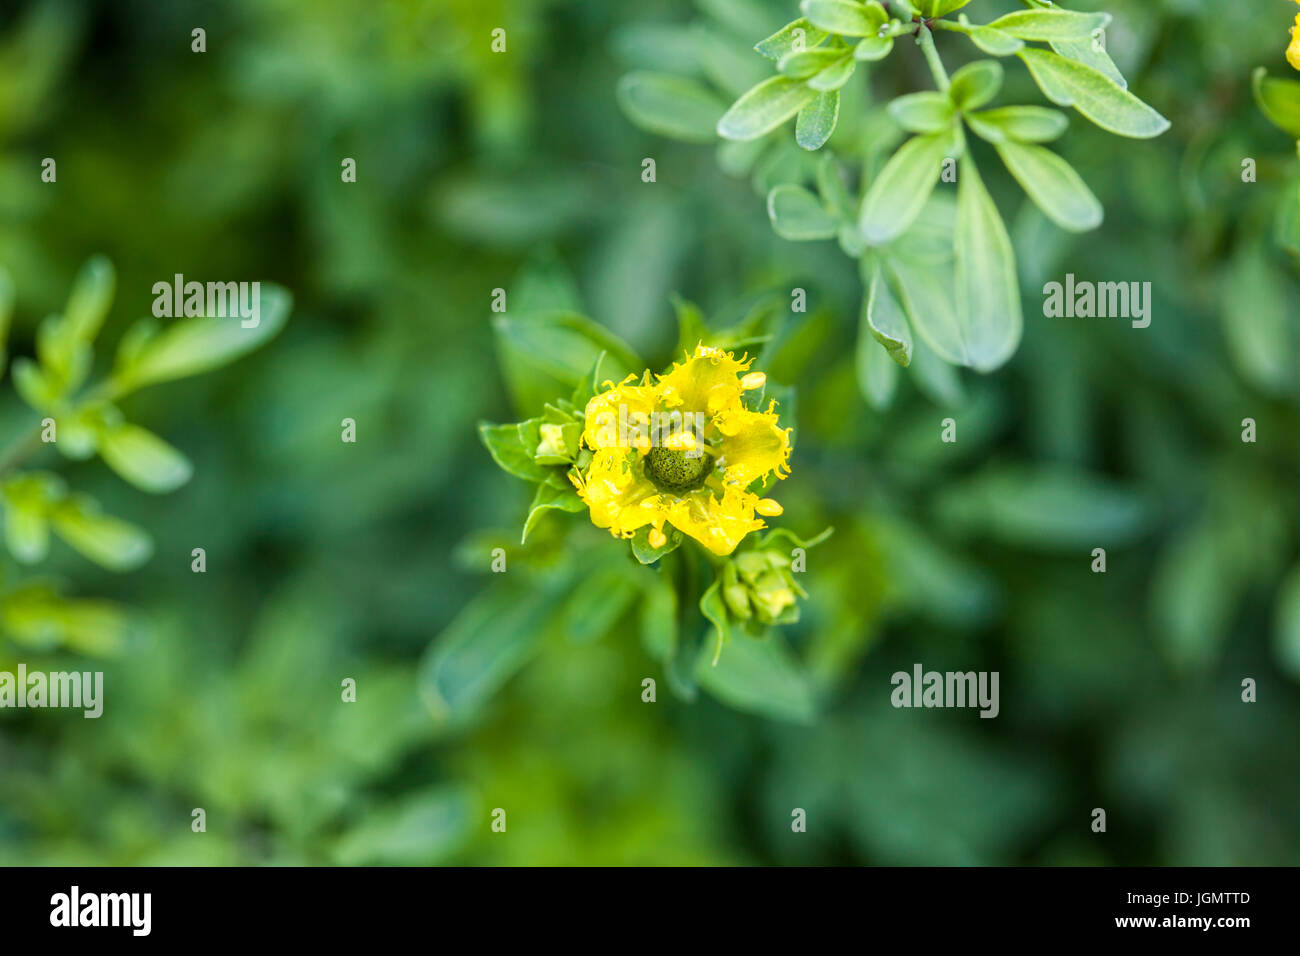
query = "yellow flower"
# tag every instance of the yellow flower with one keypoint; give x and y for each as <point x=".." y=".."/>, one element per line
<point x="683" y="451"/>
<point x="1293" y="51"/>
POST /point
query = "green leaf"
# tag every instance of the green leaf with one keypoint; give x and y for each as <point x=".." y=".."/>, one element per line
<point x="884" y="319"/>
<point x="1053" y="185"/>
<point x="933" y="9"/>
<point x="589" y="383"/>
<point x="764" y="108"/>
<point x="144" y="459"/>
<point x="599" y="601"/>
<point x="1067" y="83"/>
<point x="1193" y="596"/>
<point x="929" y="241"/>
<point x="647" y="553"/>
<point x="876" y="372"/>
<point x="725" y="63"/>
<point x="420" y="829"/>
<point x="665" y="46"/>
<point x="1286" y="629"/>
<point x="550" y="498"/>
<point x="1091" y="52"/>
<point x="833" y="77"/>
<point x="845" y="17"/>
<point x="804" y="64"/>
<point x="36" y="615"/>
<point x="32" y="385"/>
<point x="791" y="38"/>
<point x="508" y="451"/>
<point x="27" y="531"/>
<point x="130" y="345"/>
<point x="975" y="84"/>
<point x="1280" y="101"/>
<point x="987" y="289"/>
<point x="1048" y="508"/>
<point x="714" y="610"/>
<point x="991" y="41"/>
<point x="195" y="345"/>
<point x="79" y="432"/>
<point x="760" y="676"/>
<point x="870" y="49"/>
<point x="831" y="187"/>
<point x="798" y="215"/>
<point x="1254" y="320"/>
<point x="549" y="352"/>
<point x="1051" y="25"/>
<point x="65" y="359"/>
<point x="926" y="293"/>
<point x="110" y="542"/>
<point x="90" y="299"/>
<point x="817" y="120"/>
<point x="672" y="106"/>
<point x="898" y="194"/>
<point x="488" y="643"/>
<point x="1286" y="221"/>
<point x="530" y="436"/>
<point x="1025" y="124"/>
<point x="924" y="112"/>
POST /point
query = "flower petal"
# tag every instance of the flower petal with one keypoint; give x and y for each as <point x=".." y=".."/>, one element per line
<point x="754" y="444"/>
<point x="718" y="524"/>
<point x="618" y="494"/>
<point x="604" y="426"/>
<point x="708" y="381"/>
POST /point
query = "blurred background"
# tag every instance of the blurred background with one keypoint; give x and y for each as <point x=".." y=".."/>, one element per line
<point x="327" y="560"/>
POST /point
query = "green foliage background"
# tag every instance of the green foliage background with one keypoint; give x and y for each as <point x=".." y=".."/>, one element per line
<point x="328" y="560"/>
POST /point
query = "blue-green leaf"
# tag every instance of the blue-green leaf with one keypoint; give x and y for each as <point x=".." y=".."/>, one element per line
<point x="672" y="106"/>
<point x="195" y="345"/>
<point x="764" y="108"/>
<point x="987" y="289"/>
<point x="899" y="193"/>
<point x="144" y="459"/>
<point x="1053" y="185"/>
<point x="1096" y="96"/>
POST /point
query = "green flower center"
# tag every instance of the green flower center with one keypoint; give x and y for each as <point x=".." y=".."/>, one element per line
<point x="677" y="471"/>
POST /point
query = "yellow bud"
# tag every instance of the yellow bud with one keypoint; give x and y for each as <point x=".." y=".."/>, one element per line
<point x="552" y="442"/>
<point x="768" y="507"/>
<point x="753" y="380"/>
<point x="657" y="538"/>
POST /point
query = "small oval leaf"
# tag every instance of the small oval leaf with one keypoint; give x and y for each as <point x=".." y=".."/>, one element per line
<point x="764" y="108"/>
<point x="1067" y="83"/>
<point x="1053" y="185"/>
<point x="672" y="106"/>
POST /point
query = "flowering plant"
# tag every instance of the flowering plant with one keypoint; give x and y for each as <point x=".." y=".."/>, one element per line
<point x="939" y="273"/>
<point x="662" y="460"/>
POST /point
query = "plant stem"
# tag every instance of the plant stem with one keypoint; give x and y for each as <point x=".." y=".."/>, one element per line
<point x="925" y="39"/>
